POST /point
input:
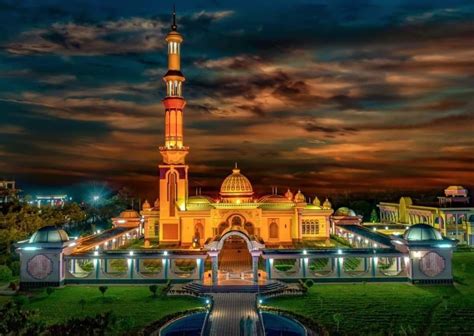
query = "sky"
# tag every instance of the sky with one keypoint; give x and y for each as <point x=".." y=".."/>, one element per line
<point x="327" y="96"/>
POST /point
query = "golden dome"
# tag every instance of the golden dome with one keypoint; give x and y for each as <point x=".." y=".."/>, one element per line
<point x="327" y="204"/>
<point x="236" y="184"/>
<point x="299" y="197"/>
<point x="146" y="205"/>
<point x="316" y="201"/>
<point x="289" y="194"/>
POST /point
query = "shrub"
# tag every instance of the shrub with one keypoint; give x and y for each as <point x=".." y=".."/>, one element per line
<point x="20" y="300"/>
<point x="5" y="273"/>
<point x="12" y="286"/>
<point x="15" y="267"/>
<point x="153" y="289"/>
<point x="309" y="283"/>
<point x="49" y="291"/>
<point x="103" y="289"/>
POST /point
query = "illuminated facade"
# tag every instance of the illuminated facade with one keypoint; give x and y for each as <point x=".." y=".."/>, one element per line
<point x="453" y="216"/>
<point x="178" y="219"/>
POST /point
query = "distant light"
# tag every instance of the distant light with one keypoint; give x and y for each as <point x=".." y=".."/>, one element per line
<point x="375" y="245"/>
<point x="97" y="247"/>
<point x="122" y="221"/>
<point x="96" y="253"/>
<point x="374" y="229"/>
<point x="31" y="248"/>
<point x="113" y="240"/>
<point x="73" y="244"/>
<point x="96" y="197"/>
<point x="305" y="252"/>
<point x="339" y="251"/>
<point x="130" y="253"/>
<point x="366" y="241"/>
<point x="207" y="301"/>
<point x="165" y="253"/>
<point x="260" y="301"/>
<point x="386" y="228"/>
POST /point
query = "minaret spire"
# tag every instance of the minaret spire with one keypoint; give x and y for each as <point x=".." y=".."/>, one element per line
<point x="174" y="26"/>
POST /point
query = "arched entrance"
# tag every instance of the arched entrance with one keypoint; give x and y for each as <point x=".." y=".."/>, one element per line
<point x="234" y="256"/>
<point x="235" y="260"/>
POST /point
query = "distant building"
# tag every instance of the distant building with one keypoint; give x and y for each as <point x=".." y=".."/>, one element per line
<point x="452" y="216"/>
<point x="51" y="200"/>
<point x="7" y="191"/>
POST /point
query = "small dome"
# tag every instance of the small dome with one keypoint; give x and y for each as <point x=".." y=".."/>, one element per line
<point x="49" y="234"/>
<point x="146" y="205"/>
<point x="316" y="201"/>
<point x="455" y="188"/>
<point x="422" y="232"/>
<point x="289" y="194"/>
<point x="299" y="197"/>
<point x="236" y="184"/>
<point x="274" y="199"/>
<point x="345" y="212"/>
<point x="129" y="214"/>
<point x="327" y="204"/>
<point x="200" y="199"/>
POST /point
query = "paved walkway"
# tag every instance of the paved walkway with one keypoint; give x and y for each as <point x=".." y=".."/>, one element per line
<point x="228" y="310"/>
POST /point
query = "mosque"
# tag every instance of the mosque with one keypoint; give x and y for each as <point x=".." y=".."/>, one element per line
<point x="182" y="220"/>
<point x="240" y="237"/>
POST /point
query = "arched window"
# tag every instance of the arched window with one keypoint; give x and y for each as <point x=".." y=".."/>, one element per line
<point x="273" y="230"/>
<point x="172" y="192"/>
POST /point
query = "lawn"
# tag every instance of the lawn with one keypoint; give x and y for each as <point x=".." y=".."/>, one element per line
<point x="133" y="304"/>
<point x="399" y="309"/>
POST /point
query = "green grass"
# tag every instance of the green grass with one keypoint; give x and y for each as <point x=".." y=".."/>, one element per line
<point x="133" y="303"/>
<point x="396" y="308"/>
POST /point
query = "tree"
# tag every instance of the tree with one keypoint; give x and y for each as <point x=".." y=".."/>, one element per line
<point x="82" y="303"/>
<point x="153" y="289"/>
<point x="337" y="317"/>
<point x="103" y="289"/>
<point x="374" y="218"/>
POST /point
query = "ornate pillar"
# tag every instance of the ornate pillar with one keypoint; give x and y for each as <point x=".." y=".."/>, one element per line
<point x="255" y="256"/>
<point x="215" y="266"/>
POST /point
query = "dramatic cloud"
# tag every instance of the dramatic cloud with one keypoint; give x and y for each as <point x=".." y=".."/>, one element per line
<point x="327" y="97"/>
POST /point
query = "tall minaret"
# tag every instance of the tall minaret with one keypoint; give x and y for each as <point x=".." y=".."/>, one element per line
<point x="173" y="171"/>
<point x="174" y="151"/>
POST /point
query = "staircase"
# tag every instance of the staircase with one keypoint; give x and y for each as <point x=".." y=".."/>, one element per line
<point x="269" y="287"/>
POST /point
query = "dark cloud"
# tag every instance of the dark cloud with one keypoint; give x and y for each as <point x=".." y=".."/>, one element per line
<point x="326" y="96"/>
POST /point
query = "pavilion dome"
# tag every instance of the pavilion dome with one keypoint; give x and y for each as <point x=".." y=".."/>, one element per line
<point x="129" y="214"/>
<point x="327" y="204"/>
<point x="49" y="234"/>
<point x="236" y="184"/>
<point x="316" y="201"/>
<point x="289" y="194"/>
<point x="419" y="232"/>
<point x="146" y="205"/>
<point x="343" y="211"/>
<point x="299" y="197"/>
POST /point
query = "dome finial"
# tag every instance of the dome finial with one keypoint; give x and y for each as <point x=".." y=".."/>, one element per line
<point x="236" y="169"/>
<point x="174" y="27"/>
